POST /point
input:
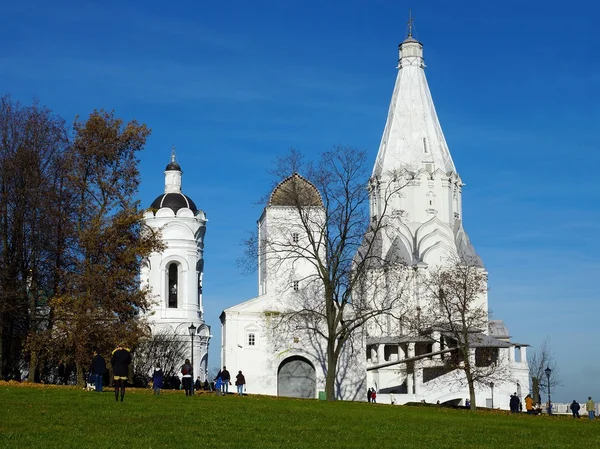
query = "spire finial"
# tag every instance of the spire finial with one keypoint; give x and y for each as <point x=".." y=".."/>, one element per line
<point x="173" y="154"/>
<point x="410" y="23"/>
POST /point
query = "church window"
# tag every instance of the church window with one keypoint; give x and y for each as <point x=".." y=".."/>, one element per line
<point x="296" y="286"/>
<point x="295" y="237"/>
<point x="251" y="339"/>
<point x="425" y="145"/>
<point x="173" y="285"/>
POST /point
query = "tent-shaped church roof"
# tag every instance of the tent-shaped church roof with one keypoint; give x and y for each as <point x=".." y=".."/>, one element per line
<point x="295" y="190"/>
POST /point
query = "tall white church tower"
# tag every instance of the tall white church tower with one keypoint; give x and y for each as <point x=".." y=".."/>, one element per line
<point x="425" y="231"/>
<point x="175" y="274"/>
<point x="429" y="207"/>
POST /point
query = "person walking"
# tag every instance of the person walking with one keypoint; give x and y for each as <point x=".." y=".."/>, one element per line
<point x="186" y="372"/>
<point x="369" y="395"/>
<point x="590" y="407"/>
<point x="157" y="379"/>
<point x="374" y="396"/>
<point x="225" y="380"/>
<point x="120" y="361"/>
<point x="97" y="369"/>
<point x="575" y="408"/>
<point x="240" y="381"/>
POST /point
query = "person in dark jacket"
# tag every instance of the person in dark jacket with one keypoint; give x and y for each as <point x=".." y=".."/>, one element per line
<point x="187" y="379"/>
<point x="198" y="384"/>
<point x="226" y="379"/>
<point x="369" y="395"/>
<point x="240" y="381"/>
<point x="97" y="370"/>
<point x="575" y="408"/>
<point x="157" y="380"/>
<point x="514" y="403"/>
<point x="120" y="361"/>
<point x="62" y="373"/>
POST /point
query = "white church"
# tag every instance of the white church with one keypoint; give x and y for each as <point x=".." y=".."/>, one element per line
<point x="401" y="366"/>
<point x="175" y="274"/>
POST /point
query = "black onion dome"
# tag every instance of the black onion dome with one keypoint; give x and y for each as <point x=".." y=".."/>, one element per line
<point x="174" y="201"/>
<point x="173" y="166"/>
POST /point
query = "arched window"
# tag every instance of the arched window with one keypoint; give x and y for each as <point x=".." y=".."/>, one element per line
<point x="173" y="285"/>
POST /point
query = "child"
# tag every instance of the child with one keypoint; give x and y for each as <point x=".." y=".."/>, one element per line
<point x="157" y="380"/>
<point x="218" y="385"/>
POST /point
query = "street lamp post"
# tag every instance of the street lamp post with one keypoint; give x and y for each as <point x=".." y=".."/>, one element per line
<point x="192" y="330"/>
<point x="548" y="372"/>
<point x="492" y="388"/>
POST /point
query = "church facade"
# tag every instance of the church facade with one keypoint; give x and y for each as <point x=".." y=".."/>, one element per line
<point x="175" y="275"/>
<point x="426" y="231"/>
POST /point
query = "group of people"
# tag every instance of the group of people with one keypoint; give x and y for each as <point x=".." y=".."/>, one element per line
<point x="372" y="395"/>
<point x="223" y="380"/>
<point x="221" y="385"/>
<point x="120" y="361"/>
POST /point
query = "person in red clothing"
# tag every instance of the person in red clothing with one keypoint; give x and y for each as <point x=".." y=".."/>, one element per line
<point x="120" y="361"/>
<point x="374" y="396"/>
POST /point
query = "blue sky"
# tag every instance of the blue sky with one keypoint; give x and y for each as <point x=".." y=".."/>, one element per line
<point x="234" y="84"/>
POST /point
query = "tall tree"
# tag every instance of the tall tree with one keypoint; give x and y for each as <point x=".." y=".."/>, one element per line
<point x="101" y="301"/>
<point x="32" y="148"/>
<point x="339" y="240"/>
<point x="458" y="317"/>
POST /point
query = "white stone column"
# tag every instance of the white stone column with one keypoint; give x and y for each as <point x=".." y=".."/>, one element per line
<point x="380" y="353"/>
<point x="523" y="354"/>
<point x="409" y="382"/>
<point x="373" y="353"/>
<point x="436" y="345"/>
<point x="410" y="377"/>
<point x="511" y="354"/>
<point x="418" y="377"/>
<point x="401" y="354"/>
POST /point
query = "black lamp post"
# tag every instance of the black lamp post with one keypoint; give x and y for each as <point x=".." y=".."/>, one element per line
<point x="192" y="330"/>
<point x="548" y="371"/>
<point x="492" y="388"/>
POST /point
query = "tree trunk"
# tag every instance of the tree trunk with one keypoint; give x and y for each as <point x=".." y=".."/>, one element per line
<point x="2" y="361"/>
<point x="33" y="366"/>
<point x="331" y="370"/>
<point x="80" y="374"/>
<point x="472" y="395"/>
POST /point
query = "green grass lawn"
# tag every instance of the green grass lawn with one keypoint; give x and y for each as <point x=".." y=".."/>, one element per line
<point x="67" y="417"/>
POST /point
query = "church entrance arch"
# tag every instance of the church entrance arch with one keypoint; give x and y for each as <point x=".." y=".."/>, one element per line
<point x="297" y="378"/>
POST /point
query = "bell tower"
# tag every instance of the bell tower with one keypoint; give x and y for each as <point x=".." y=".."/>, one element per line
<point x="175" y="275"/>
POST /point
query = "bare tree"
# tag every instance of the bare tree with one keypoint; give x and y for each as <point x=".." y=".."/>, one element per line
<point x="164" y="349"/>
<point x="326" y="249"/>
<point x="539" y="361"/>
<point x="457" y="317"/>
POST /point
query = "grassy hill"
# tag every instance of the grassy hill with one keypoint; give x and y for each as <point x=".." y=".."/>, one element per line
<point x="67" y="417"/>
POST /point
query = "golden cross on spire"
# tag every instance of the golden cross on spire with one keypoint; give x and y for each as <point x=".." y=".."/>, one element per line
<point x="410" y="22"/>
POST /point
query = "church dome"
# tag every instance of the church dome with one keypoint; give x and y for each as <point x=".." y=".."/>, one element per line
<point x="498" y="329"/>
<point x="295" y="191"/>
<point x="173" y="166"/>
<point x="174" y="201"/>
